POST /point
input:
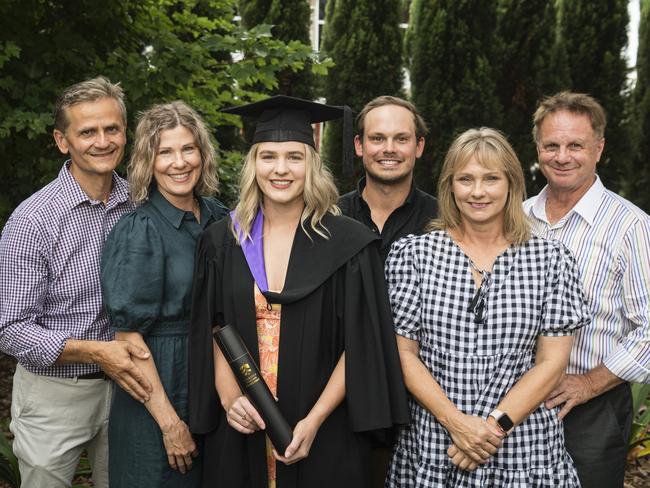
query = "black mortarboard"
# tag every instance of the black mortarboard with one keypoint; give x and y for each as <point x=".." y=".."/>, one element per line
<point x="281" y="118"/>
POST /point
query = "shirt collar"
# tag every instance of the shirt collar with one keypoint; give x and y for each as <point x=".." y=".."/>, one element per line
<point x="175" y="215"/>
<point x="586" y="207"/>
<point x="172" y="214"/>
<point x="74" y="194"/>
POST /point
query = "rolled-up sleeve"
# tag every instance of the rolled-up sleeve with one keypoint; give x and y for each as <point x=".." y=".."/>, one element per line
<point x="630" y="361"/>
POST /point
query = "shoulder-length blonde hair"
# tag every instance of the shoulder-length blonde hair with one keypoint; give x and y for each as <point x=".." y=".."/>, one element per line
<point x="147" y="140"/>
<point x="320" y="194"/>
<point x="491" y="149"/>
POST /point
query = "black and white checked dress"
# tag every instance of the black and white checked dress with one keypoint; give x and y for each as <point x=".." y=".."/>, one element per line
<point x="535" y="290"/>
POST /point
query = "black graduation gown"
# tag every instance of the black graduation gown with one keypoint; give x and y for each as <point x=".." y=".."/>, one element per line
<point x="334" y="300"/>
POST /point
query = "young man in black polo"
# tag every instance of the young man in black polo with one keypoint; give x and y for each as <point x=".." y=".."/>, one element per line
<point x="390" y="138"/>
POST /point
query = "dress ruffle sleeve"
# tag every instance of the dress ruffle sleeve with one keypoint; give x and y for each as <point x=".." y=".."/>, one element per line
<point x="132" y="274"/>
<point x="375" y="391"/>
<point x="565" y="307"/>
<point x="204" y="404"/>
<point x="403" y="280"/>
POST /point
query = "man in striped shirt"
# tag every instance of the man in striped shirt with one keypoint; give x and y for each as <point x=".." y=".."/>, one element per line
<point x="610" y="238"/>
<point x="51" y="314"/>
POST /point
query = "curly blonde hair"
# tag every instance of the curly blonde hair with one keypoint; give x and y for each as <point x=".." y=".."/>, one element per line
<point x="151" y="124"/>
<point x="320" y="194"/>
<point x="490" y="148"/>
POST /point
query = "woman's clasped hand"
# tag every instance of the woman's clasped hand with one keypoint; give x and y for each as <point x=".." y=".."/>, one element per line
<point x="475" y="440"/>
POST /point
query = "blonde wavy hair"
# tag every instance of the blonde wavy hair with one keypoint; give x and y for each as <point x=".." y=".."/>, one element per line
<point x="320" y="194"/>
<point x="491" y="149"/>
<point x="151" y="124"/>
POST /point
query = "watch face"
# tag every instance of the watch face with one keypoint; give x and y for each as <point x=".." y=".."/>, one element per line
<point x="505" y="422"/>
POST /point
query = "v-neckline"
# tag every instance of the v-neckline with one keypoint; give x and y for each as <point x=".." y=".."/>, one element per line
<point x="468" y="267"/>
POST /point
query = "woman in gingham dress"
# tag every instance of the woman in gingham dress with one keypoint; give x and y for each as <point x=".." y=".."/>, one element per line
<point x="484" y="315"/>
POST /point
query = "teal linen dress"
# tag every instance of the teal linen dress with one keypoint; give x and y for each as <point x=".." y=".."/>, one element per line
<point x="146" y="275"/>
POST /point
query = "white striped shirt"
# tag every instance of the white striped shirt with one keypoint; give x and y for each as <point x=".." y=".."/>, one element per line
<point x="610" y="238"/>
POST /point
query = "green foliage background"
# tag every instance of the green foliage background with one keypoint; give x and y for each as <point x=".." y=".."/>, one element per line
<point x="159" y="50"/>
<point x="594" y="35"/>
<point x="363" y="39"/>
<point x="470" y="63"/>
<point x="450" y="52"/>
<point x="530" y="64"/>
<point x="290" y="21"/>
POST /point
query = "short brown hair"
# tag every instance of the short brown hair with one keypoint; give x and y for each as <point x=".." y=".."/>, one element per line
<point x="490" y="148"/>
<point x="147" y="140"/>
<point x="420" y="126"/>
<point x="87" y="91"/>
<point x="576" y="103"/>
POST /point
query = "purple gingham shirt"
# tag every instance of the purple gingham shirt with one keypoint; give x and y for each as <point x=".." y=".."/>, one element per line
<point x="50" y="251"/>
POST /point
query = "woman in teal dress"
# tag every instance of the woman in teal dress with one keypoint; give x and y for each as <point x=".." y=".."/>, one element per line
<point x="146" y="277"/>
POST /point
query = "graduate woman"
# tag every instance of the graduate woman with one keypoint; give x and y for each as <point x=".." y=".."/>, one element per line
<point x="304" y="287"/>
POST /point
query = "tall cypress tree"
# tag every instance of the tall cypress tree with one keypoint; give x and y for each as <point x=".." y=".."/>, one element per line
<point x="450" y="47"/>
<point x="530" y="65"/>
<point x="363" y="38"/>
<point x="594" y="35"/>
<point x="290" y="20"/>
<point x="638" y="180"/>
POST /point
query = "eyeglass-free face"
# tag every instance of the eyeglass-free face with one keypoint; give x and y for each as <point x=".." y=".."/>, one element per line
<point x="480" y="193"/>
<point x="568" y="151"/>
<point x="177" y="166"/>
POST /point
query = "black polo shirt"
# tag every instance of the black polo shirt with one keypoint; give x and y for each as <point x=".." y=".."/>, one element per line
<point x="411" y="218"/>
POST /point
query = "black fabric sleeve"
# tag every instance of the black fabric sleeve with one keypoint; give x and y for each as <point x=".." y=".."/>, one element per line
<point x="375" y="391"/>
<point x="204" y="405"/>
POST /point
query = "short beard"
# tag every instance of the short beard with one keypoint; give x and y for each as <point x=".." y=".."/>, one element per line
<point x="391" y="181"/>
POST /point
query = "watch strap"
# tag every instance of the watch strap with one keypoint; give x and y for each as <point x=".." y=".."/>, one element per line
<point x="503" y="420"/>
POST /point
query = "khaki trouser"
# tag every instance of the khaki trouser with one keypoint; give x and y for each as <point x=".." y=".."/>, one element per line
<point x="53" y="420"/>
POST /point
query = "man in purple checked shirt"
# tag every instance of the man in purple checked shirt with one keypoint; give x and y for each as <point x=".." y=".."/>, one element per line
<point x="51" y="313"/>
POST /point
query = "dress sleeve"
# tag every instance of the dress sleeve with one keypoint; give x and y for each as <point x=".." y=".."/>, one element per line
<point x="403" y="280"/>
<point x="375" y="391"/>
<point x="565" y="307"/>
<point x="204" y="404"/>
<point x="132" y="274"/>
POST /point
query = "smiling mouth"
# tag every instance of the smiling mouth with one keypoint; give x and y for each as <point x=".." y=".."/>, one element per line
<point x="180" y="177"/>
<point x="388" y="162"/>
<point x="478" y="205"/>
<point x="280" y="184"/>
<point x="103" y="154"/>
<point x="563" y="169"/>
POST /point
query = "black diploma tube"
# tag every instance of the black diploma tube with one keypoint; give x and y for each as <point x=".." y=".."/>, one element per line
<point x="252" y="384"/>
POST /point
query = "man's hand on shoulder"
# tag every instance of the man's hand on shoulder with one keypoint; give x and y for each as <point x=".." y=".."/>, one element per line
<point x="576" y="389"/>
<point x="115" y="358"/>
